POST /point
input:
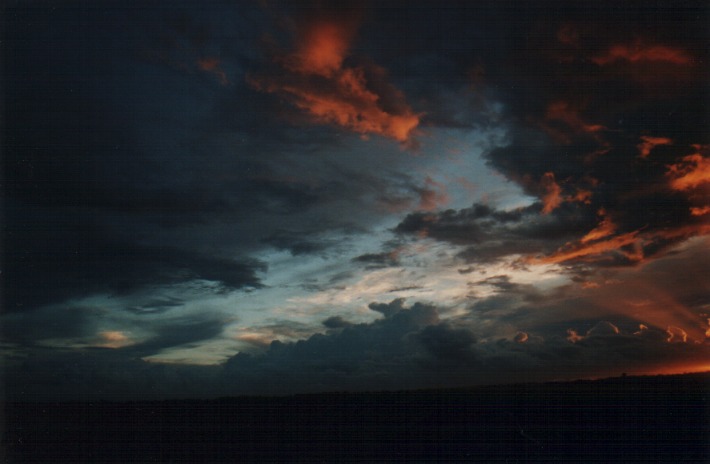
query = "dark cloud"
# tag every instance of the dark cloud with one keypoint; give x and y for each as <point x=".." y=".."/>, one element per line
<point x="156" y="306"/>
<point x="448" y="344"/>
<point x="99" y="373"/>
<point x="295" y="243"/>
<point x="336" y="322"/>
<point x="493" y="234"/>
<point x="44" y="269"/>
<point x="179" y="332"/>
<point x="383" y="259"/>
<point x="409" y="348"/>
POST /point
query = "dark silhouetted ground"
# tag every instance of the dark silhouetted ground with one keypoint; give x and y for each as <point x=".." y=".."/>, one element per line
<point x="630" y="419"/>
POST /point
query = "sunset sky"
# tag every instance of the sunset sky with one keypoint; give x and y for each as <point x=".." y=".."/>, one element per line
<point x="218" y="198"/>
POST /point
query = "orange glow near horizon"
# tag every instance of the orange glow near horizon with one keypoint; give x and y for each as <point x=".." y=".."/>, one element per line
<point x="681" y="368"/>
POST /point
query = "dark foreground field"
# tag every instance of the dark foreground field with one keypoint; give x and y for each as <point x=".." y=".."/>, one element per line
<point x="631" y="419"/>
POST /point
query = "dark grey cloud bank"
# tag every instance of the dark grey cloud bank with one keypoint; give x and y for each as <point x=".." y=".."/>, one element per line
<point x="410" y="347"/>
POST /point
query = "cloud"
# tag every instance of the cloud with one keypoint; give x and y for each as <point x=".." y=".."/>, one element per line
<point x="212" y="65"/>
<point x="492" y="234"/>
<point x="649" y="143"/>
<point x="551" y="199"/>
<point x="448" y="344"/>
<point x="562" y="111"/>
<point x="95" y="266"/>
<point x="692" y="171"/>
<point x="640" y="52"/>
<point x="114" y="339"/>
<point x="316" y="79"/>
<point x="605" y="228"/>
<point x="432" y="196"/>
<point x="383" y="259"/>
<point x="676" y="334"/>
<point x="603" y="329"/>
<point x="336" y="322"/>
<point x="296" y="244"/>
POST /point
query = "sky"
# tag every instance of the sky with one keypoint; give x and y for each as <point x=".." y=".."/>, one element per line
<point x="259" y="197"/>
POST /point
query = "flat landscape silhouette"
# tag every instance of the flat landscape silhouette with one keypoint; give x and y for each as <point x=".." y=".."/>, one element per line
<point x="624" y="419"/>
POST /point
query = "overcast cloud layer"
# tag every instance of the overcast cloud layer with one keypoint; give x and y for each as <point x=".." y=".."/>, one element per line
<point x="265" y="197"/>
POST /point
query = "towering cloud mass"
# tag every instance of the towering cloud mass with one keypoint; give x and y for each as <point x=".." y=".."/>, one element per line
<point x="316" y="78"/>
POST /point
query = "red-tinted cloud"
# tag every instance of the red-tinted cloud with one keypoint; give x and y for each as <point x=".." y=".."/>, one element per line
<point x="212" y="65"/>
<point x="605" y="228"/>
<point x="676" y="335"/>
<point x="699" y="210"/>
<point x="316" y="79"/>
<point x="596" y="247"/>
<point x="592" y="251"/>
<point x="640" y="52"/>
<point x="562" y="111"/>
<point x="691" y="172"/>
<point x="649" y="143"/>
<point x="552" y="196"/>
<point x="321" y="48"/>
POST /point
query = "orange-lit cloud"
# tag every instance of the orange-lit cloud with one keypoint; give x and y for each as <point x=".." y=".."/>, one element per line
<point x="691" y="172"/>
<point x="552" y="196"/>
<point x="317" y="80"/>
<point x="582" y="196"/>
<point x="322" y="48"/>
<point x="114" y="339"/>
<point x="605" y="228"/>
<point x="649" y="143"/>
<point x="593" y="247"/>
<point x="521" y="337"/>
<point x="643" y="328"/>
<point x="582" y="250"/>
<point x="676" y="334"/>
<point x="573" y="336"/>
<point x="640" y="53"/>
<point x="212" y="65"/>
<point x="699" y="210"/>
<point x="561" y="111"/>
